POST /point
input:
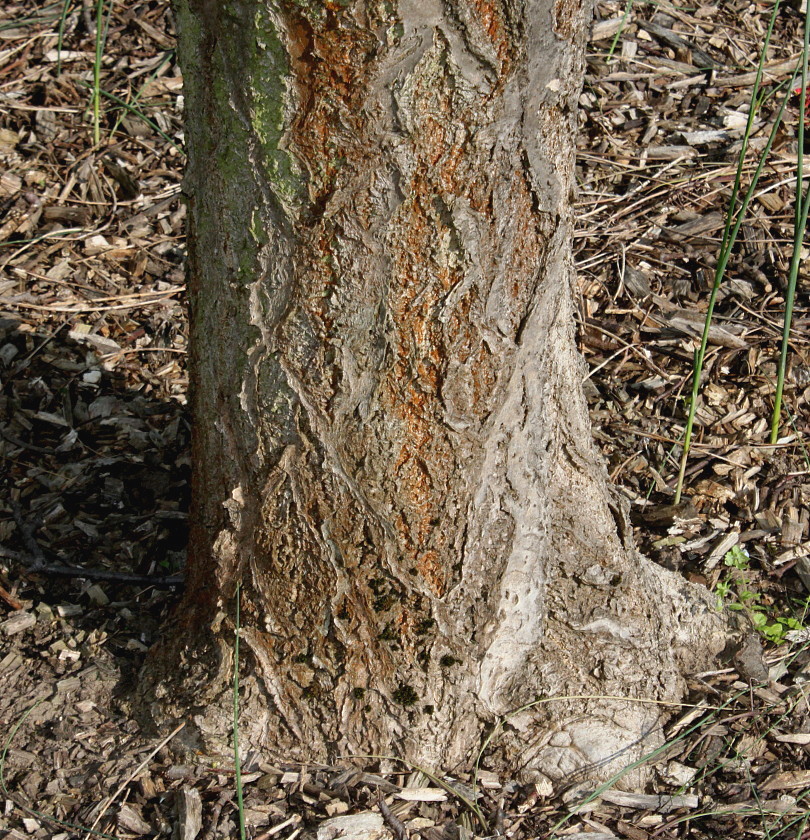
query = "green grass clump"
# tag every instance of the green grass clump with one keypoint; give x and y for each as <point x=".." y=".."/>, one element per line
<point x="735" y="215"/>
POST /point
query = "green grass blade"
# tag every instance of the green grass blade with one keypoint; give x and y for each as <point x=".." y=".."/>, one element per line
<point x="800" y="224"/>
<point x="102" y="27"/>
<point x="46" y="14"/>
<point x="138" y="113"/>
<point x="628" y="6"/>
<point x="51" y="234"/>
<point x="167" y="56"/>
<point x="60" y="38"/>
<point x="237" y="763"/>
<point x="96" y="98"/>
<point x="734" y="220"/>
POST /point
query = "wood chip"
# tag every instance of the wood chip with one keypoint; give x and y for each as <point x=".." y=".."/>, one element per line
<point x="18" y="622"/>
<point x="425" y="794"/>
<point x="131" y="820"/>
<point x="363" y="826"/>
<point x="802" y="738"/>
<point x="189" y="813"/>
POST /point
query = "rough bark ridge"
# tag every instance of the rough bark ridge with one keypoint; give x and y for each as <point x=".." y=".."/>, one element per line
<point x="391" y="447"/>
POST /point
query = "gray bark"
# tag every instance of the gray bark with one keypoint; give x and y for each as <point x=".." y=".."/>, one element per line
<point x="392" y="451"/>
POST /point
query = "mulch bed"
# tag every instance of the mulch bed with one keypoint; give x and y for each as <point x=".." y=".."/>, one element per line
<point x="95" y="437"/>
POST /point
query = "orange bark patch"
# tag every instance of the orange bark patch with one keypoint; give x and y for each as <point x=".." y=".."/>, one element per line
<point x="332" y="59"/>
<point x="412" y="392"/>
<point x="432" y="570"/>
<point x="489" y="13"/>
<point x="426" y="265"/>
<point x="334" y="139"/>
<point x="447" y="175"/>
<point x="333" y="62"/>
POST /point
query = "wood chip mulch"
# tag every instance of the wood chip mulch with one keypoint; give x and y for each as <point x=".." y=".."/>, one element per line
<point x="95" y="439"/>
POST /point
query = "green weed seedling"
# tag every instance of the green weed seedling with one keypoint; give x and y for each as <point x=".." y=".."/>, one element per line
<point x="735" y="591"/>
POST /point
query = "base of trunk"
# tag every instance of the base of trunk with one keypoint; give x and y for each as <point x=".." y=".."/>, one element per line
<point x="601" y="691"/>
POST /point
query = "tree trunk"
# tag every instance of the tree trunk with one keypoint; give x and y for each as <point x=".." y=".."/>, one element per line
<point x="392" y="452"/>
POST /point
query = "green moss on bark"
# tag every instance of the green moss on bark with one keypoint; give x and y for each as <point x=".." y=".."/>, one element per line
<point x="271" y="92"/>
<point x="238" y="84"/>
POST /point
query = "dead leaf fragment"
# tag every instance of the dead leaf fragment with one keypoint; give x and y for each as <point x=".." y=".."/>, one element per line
<point x="787" y="780"/>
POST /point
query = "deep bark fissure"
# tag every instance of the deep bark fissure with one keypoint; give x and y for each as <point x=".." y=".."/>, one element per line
<point x="391" y="446"/>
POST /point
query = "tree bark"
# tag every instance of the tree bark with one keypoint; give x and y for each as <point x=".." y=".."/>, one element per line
<point x="391" y="448"/>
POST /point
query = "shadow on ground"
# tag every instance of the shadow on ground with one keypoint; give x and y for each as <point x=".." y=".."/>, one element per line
<point x="95" y="476"/>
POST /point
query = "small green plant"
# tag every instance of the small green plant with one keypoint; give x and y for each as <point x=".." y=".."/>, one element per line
<point x="775" y="631"/>
<point x="735" y="592"/>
